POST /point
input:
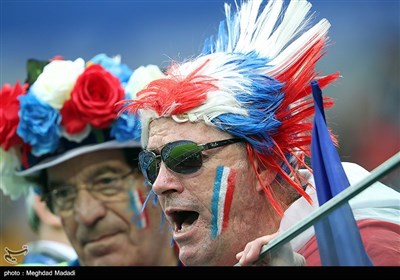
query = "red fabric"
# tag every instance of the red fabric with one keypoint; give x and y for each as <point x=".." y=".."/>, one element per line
<point x="381" y="241"/>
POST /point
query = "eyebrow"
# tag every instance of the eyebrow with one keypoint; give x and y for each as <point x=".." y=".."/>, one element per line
<point x="105" y="169"/>
<point x="100" y="171"/>
<point x="157" y="150"/>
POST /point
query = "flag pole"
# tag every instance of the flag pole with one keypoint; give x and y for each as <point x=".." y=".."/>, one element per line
<point x="344" y="196"/>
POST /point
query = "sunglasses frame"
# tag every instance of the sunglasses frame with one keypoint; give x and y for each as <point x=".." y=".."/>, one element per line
<point x="163" y="156"/>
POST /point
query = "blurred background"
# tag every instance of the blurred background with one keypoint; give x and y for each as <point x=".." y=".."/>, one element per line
<point x="365" y="39"/>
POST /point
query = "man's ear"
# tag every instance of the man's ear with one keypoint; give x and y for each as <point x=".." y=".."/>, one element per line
<point x="267" y="175"/>
<point x="44" y="213"/>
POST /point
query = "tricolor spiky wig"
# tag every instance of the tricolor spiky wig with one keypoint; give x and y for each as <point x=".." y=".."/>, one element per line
<point x="252" y="81"/>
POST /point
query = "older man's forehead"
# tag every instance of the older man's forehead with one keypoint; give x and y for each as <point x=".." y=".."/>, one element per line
<point x="165" y="130"/>
<point x="89" y="165"/>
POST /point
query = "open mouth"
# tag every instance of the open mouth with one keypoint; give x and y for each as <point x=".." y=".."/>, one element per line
<point x="183" y="220"/>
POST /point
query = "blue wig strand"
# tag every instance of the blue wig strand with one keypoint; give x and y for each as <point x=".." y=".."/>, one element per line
<point x="155" y="199"/>
<point x="146" y="200"/>
<point x="226" y="38"/>
<point x="261" y="98"/>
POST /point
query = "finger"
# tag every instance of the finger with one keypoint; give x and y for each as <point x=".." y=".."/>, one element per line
<point x="243" y="259"/>
<point x="255" y="250"/>
<point x="267" y="238"/>
<point x="252" y="249"/>
<point x="239" y="255"/>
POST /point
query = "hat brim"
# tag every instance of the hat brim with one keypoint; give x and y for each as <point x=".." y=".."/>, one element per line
<point x="49" y="162"/>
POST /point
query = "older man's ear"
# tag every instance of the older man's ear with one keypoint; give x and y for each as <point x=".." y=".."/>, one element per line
<point x="267" y="175"/>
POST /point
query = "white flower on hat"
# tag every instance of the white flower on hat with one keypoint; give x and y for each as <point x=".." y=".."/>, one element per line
<point x="11" y="184"/>
<point x="77" y="137"/>
<point x="55" y="84"/>
<point x="141" y="77"/>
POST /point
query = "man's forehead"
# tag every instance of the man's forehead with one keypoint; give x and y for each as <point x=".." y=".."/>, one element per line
<point x="88" y="166"/>
<point x="165" y="130"/>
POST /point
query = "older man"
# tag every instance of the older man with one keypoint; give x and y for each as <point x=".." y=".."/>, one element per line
<point x="225" y="136"/>
<point x="62" y="133"/>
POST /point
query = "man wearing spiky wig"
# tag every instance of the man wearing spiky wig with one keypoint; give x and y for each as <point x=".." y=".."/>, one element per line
<point x="226" y="136"/>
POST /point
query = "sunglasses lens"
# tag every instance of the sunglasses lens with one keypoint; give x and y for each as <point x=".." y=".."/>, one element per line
<point x="182" y="157"/>
<point x="148" y="165"/>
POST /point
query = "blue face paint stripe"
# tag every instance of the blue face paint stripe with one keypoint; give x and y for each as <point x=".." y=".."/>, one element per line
<point x="215" y="200"/>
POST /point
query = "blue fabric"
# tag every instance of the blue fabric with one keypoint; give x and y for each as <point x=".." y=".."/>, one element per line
<point x="74" y="263"/>
<point x="339" y="240"/>
<point x="40" y="259"/>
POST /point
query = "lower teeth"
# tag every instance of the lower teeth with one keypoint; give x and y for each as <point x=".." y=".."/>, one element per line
<point x="184" y="227"/>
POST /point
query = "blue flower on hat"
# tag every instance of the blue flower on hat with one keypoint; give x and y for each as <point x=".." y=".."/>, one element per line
<point x="126" y="127"/>
<point x="114" y="66"/>
<point x="39" y="125"/>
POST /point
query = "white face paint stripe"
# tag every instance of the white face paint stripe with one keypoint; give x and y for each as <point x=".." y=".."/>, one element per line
<point x="230" y="182"/>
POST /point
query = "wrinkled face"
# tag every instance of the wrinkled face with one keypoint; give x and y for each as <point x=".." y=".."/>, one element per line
<point x="111" y="233"/>
<point x="216" y="210"/>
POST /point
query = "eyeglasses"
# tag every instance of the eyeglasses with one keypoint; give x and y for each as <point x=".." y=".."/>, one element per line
<point x="110" y="188"/>
<point x="183" y="157"/>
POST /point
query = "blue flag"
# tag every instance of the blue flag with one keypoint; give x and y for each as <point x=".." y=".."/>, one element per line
<point x="339" y="240"/>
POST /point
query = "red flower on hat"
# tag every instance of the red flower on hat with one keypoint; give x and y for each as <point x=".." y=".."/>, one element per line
<point x="9" y="107"/>
<point x="92" y="100"/>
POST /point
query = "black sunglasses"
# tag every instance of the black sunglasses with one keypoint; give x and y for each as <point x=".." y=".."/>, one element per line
<point x="183" y="157"/>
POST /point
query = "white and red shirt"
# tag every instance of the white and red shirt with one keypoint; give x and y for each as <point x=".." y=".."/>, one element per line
<point x="376" y="210"/>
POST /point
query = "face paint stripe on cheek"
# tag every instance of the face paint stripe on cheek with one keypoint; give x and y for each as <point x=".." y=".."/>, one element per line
<point x="214" y="202"/>
<point x="230" y="188"/>
<point x="224" y="186"/>
<point x="140" y="218"/>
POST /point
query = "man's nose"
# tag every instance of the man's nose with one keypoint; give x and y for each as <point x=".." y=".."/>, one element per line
<point x="166" y="182"/>
<point x="87" y="208"/>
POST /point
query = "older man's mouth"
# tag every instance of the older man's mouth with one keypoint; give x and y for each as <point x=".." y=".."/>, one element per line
<point x="102" y="245"/>
<point x="182" y="220"/>
<point x="100" y="238"/>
